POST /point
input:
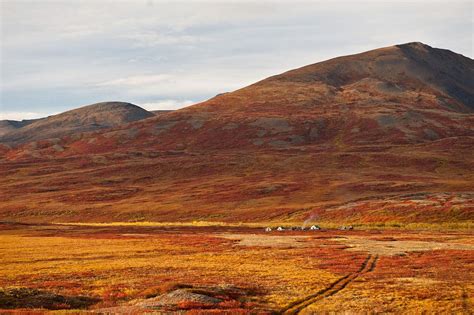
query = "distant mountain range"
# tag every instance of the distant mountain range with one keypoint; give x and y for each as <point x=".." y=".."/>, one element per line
<point x="385" y="135"/>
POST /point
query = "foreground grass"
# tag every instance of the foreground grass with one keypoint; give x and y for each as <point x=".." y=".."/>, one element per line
<point x="118" y="262"/>
<point x="117" y="268"/>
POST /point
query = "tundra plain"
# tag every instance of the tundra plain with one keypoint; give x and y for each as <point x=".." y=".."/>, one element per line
<point x="201" y="269"/>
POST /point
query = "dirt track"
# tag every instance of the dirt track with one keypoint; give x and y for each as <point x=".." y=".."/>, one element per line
<point x="297" y="306"/>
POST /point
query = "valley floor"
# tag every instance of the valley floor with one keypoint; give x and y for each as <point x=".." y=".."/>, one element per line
<point x="232" y="269"/>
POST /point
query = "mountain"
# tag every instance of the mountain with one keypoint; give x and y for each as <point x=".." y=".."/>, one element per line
<point x="381" y="136"/>
<point x="402" y="94"/>
<point x="84" y="119"/>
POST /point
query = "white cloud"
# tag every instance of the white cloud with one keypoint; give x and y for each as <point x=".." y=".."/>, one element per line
<point x="21" y="115"/>
<point x="137" y="80"/>
<point x="152" y="39"/>
<point x="184" y="84"/>
<point x="166" y="104"/>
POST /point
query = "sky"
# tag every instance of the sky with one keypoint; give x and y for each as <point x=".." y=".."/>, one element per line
<point x="59" y="55"/>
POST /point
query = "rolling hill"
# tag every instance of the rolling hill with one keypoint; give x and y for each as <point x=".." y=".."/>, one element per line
<point x="381" y="136"/>
<point x="84" y="119"/>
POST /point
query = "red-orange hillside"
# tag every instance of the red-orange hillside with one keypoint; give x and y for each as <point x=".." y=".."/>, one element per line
<point x="386" y="135"/>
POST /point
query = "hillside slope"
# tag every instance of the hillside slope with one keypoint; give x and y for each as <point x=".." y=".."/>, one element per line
<point x="87" y="118"/>
<point x="382" y="136"/>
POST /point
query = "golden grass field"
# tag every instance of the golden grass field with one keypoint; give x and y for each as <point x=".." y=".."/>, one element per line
<point x="122" y="266"/>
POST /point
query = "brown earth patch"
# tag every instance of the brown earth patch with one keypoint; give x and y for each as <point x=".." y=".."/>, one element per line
<point x="268" y="240"/>
<point x="391" y="248"/>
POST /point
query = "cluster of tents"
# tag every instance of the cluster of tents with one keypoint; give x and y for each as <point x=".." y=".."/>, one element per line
<point x="282" y="228"/>
<point x="311" y="228"/>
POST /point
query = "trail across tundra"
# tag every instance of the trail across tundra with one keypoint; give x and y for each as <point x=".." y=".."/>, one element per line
<point x="297" y="306"/>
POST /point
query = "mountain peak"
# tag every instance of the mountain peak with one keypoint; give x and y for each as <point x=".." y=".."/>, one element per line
<point x="411" y="66"/>
<point x="416" y="45"/>
<point x="107" y="105"/>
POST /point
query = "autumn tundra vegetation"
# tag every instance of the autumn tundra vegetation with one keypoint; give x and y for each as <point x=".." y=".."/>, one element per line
<point x="124" y="268"/>
<point x="111" y="209"/>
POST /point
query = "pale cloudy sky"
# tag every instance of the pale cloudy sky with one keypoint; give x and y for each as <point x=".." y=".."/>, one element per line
<point x="58" y="55"/>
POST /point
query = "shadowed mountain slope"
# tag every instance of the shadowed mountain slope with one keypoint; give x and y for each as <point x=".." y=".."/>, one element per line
<point x="7" y="126"/>
<point x="381" y="136"/>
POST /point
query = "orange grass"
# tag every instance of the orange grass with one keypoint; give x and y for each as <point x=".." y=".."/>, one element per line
<point x="120" y="263"/>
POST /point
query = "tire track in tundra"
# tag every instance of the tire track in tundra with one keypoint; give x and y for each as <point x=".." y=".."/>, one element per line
<point x="297" y="306"/>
